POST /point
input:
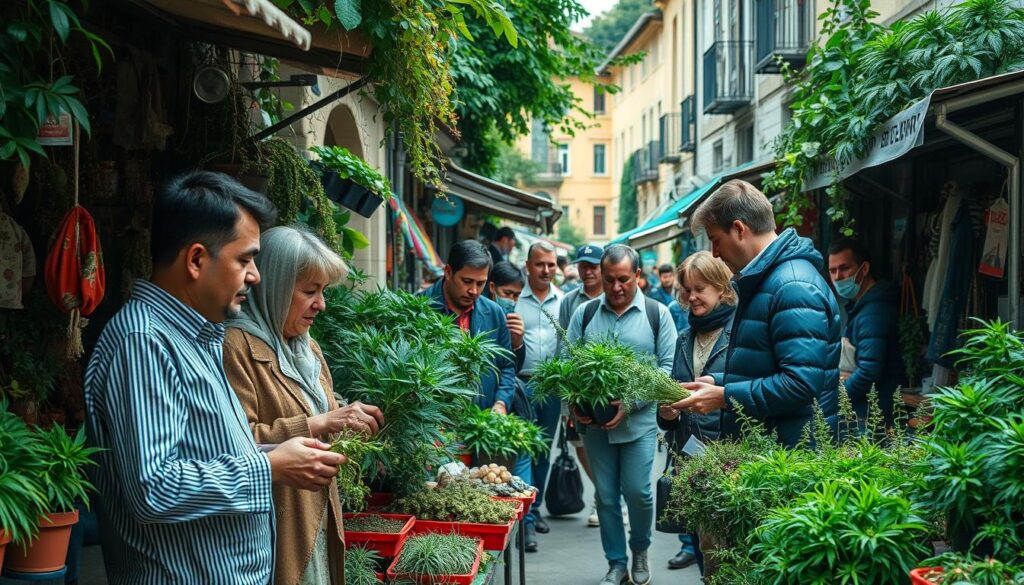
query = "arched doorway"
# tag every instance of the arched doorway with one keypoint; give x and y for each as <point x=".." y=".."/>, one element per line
<point x="342" y="130"/>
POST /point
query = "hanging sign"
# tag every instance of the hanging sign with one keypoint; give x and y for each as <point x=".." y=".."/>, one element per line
<point x="448" y="210"/>
<point x="895" y="138"/>
<point x="56" y="131"/>
<point x="993" y="255"/>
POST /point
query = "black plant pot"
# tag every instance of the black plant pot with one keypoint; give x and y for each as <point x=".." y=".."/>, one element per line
<point x="601" y="415"/>
<point x="350" y="194"/>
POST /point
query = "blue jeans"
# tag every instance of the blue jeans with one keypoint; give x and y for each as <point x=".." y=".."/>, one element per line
<point x="524" y="471"/>
<point x="548" y="412"/>
<point x="622" y="471"/>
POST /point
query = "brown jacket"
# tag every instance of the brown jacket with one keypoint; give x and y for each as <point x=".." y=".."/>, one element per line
<point x="277" y="411"/>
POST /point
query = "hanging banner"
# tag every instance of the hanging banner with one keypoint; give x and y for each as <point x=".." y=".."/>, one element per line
<point x="993" y="254"/>
<point x="895" y="138"/>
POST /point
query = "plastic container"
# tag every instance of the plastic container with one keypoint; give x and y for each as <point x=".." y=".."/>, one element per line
<point x="466" y="579"/>
<point x="494" y="536"/>
<point x="917" y="576"/>
<point x="526" y="503"/>
<point x="386" y="544"/>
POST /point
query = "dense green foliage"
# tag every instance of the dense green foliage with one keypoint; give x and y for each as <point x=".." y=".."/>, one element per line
<point x="356" y="447"/>
<point x="607" y="29"/>
<point x="975" y="452"/>
<point x="22" y="498"/>
<point x="349" y="166"/>
<point x="485" y="432"/>
<point x="374" y="523"/>
<point x="62" y="474"/>
<point x="455" y="502"/>
<point x="393" y="350"/>
<point x="860" y="74"/>
<point x="33" y="83"/>
<point x="437" y="555"/>
<point x="628" y="210"/>
<point x="361" y="566"/>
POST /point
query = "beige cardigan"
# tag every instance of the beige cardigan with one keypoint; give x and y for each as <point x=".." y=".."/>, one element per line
<point x="278" y="411"/>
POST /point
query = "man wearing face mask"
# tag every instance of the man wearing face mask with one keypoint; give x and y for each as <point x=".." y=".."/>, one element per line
<point x="870" y="351"/>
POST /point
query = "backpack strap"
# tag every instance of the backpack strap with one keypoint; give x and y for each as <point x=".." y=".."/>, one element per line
<point x="654" y="318"/>
<point x="589" y="310"/>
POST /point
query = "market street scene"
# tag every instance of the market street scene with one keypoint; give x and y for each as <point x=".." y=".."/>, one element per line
<point x="517" y="292"/>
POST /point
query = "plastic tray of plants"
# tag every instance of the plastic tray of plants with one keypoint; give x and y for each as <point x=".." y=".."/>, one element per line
<point x="438" y="558"/>
<point x="461" y="508"/>
<point x="382" y="533"/>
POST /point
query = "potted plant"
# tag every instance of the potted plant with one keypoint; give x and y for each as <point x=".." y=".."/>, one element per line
<point x="22" y="498"/>
<point x="62" y="478"/>
<point x="462" y="509"/>
<point x="348" y="180"/>
<point x="438" y="558"/>
<point x="361" y="566"/>
<point x="955" y="569"/>
<point x="498" y="439"/>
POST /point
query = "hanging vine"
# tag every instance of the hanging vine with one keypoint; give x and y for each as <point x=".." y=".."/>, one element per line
<point x="862" y="74"/>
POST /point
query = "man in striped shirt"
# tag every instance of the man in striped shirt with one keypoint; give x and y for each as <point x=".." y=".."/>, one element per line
<point x="184" y="492"/>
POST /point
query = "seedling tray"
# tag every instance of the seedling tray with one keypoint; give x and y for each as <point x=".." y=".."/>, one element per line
<point x="434" y="579"/>
<point x="386" y="544"/>
<point x="495" y="536"/>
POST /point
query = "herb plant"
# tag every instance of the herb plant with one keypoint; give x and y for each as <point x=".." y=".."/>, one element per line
<point x="374" y="523"/>
<point x="62" y="473"/>
<point x="485" y="432"/>
<point x="22" y="498"/>
<point x="361" y="566"/>
<point x="350" y="166"/>
<point x="959" y="569"/>
<point x="437" y="555"/>
<point x="356" y="447"/>
<point x="398" y="353"/>
<point x="455" y="502"/>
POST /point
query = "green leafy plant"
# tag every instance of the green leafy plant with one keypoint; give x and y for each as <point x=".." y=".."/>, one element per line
<point x="32" y="88"/>
<point x="975" y="450"/>
<point x="350" y="166"/>
<point x="64" y="459"/>
<point x="912" y="334"/>
<point x="860" y="74"/>
<point x="437" y="555"/>
<point x="397" y="352"/>
<point x="357" y="448"/>
<point x="842" y="533"/>
<point x="455" y="502"/>
<point x="22" y="499"/>
<point x="959" y="569"/>
<point x="485" y="432"/>
<point x="361" y="566"/>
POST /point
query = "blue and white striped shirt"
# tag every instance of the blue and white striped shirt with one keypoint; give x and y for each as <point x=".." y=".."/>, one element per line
<point x="184" y="492"/>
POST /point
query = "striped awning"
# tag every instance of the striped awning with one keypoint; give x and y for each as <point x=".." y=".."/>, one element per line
<point x="415" y="237"/>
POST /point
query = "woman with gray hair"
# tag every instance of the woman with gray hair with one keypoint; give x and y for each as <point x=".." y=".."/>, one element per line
<point x="285" y="388"/>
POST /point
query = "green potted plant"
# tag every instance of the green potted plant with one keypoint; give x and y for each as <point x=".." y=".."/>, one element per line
<point x="438" y="558"/>
<point x="61" y="475"/>
<point x="960" y="569"/>
<point x="495" y="438"/>
<point x="22" y="498"/>
<point x="351" y="182"/>
<point x="463" y="509"/>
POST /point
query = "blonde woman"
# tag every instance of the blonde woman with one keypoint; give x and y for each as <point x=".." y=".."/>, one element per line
<point x="704" y="287"/>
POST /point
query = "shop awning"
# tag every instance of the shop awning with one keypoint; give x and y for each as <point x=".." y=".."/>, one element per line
<point x="529" y="239"/>
<point x="259" y="26"/>
<point x="415" y="236"/>
<point x="668" y="223"/>
<point x="502" y="200"/>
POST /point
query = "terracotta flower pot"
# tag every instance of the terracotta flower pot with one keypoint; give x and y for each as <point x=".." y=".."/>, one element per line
<point x="49" y="550"/>
<point x="4" y="539"/>
<point x="921" y="576"/>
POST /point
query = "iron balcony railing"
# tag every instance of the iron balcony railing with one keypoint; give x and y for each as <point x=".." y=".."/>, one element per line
<point x="550" y="171"/>
<point x="728" y="76"/>
<point x="669" y="129"/>
<point x="688" y="124"/>
<point x="785" y="29"/>
<point x="645" y="162"/>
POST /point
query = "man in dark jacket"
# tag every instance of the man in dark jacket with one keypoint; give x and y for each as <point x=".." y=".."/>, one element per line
<point x="459" y="294"/>
<point x="785" y="342"/>
<point x="870" y="351"/>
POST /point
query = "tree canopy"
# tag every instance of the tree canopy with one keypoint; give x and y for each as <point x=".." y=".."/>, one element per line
<point x="608" y="28"/>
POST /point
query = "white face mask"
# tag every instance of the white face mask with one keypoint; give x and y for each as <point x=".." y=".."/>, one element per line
<point x="849" y="288"/>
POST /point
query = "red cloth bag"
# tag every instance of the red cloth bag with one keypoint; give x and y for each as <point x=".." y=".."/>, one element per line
<point x="74" y="273"/>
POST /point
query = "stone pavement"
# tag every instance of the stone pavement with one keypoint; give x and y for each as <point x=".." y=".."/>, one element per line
<point x="571" y="553"/>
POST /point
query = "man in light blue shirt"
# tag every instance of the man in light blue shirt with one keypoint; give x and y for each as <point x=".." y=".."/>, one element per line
<point x="184" y="494"/>
<point x="539" y="306"/>
<point x="622" y="451"/>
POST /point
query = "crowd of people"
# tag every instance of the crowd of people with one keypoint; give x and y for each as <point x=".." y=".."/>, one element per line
<point x="211" y="401"/>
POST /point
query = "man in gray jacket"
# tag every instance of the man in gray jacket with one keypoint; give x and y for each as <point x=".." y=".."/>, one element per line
<point x="622" y="451"/>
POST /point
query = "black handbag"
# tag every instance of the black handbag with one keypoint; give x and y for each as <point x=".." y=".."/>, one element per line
<point x="564" y="492"/>
<point x="663" y="491"/>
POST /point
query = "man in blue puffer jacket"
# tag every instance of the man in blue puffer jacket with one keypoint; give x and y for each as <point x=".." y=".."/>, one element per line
<point x="870" y="352"/>
<point x="785" y="342"/>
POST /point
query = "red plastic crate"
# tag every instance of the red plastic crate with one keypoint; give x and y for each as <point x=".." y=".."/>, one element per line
<point x="495" y="536"/>
<point x="917" y="576"/>
<point x="433" y="579"/>
<point x="386" y="544"/>
<point x="526" y="503"/>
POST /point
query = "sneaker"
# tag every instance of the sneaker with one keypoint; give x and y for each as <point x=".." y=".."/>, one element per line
<point x="640" y="574"/>
<point x="531" y="539"/>
<point x="625" y="515"/>
<point x="617" y="575"/>
<point x="593" y="521"/>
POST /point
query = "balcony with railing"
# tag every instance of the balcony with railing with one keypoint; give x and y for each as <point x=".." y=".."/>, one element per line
<point x="669" y="127"/>
<point x="549" y="172"/>
<point x="785" y="29"/>
<point x="688" y="125"/>
<point x="728" y="76"/>
<point x="645" y="162"/>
